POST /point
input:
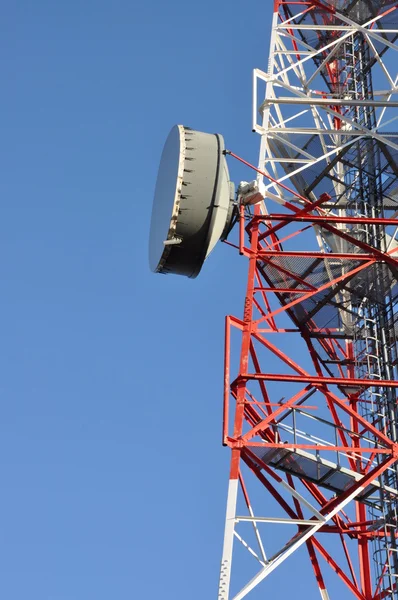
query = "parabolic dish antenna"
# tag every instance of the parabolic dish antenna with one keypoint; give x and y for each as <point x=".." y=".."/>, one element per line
<point x="193" y="203"/>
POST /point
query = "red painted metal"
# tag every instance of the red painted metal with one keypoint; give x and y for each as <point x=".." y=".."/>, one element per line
<point x="355" y="573"/>
<point x="320" y="383"/>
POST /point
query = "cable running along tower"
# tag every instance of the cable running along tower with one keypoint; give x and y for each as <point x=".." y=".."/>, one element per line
<point x="326" y="453"/>
<point x="311" y="368"/>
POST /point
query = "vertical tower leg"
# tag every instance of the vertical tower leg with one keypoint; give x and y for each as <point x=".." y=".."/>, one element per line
<point x="226" y="562"/>
<point x="320" y="435"/>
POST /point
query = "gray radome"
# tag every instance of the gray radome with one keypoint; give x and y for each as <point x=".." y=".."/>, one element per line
<point x="191" y="205"/>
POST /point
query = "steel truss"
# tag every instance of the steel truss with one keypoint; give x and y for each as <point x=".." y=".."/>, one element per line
<point x="320" y="325"/>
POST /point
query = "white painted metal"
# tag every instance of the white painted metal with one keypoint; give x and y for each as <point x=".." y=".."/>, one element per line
<point x="299" y="540"/>
<point x="291" y="96"/>
<point x="324" y="594"/>
<point x="226" y="561"/>
<point x="296" y="76"/>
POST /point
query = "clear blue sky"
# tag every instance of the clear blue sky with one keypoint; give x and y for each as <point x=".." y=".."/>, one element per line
<point x="113" y="478"/>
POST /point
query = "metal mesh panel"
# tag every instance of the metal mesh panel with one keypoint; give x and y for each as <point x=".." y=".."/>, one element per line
<point x="327" y="307"/>
<point x="324" y="473"/>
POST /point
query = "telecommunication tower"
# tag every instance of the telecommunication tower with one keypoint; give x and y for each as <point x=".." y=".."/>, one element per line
<point x="310" y="404"/>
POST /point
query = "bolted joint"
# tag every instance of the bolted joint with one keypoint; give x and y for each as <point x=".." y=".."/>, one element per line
<point x="232" y="442"/>
<point x="235" y="443"/>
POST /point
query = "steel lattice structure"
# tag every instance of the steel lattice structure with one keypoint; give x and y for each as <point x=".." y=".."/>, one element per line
<point x="321" y="303"/>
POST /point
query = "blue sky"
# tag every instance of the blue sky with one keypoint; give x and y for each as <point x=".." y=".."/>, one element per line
<point x="113" y="476"/>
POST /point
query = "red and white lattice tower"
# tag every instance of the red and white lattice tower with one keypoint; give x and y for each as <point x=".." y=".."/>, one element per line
<point x="310" y="407"/>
